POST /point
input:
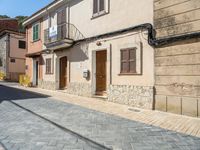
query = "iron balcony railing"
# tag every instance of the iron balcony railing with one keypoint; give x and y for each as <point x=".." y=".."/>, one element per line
<point x="62" y="32"/>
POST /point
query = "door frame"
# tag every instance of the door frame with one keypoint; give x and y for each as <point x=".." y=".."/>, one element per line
<point x="35" y="72"/>
<point x="98" y="91"/>
<point x="60" y="72"/>
<point x="108" y="67"/>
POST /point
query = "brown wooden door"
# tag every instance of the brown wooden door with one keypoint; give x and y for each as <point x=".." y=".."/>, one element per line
<point x="63" y="72"/>
<point x="101" y="57"/>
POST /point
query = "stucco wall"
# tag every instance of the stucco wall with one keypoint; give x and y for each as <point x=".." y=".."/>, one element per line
<point x="37" y="45"/>
<point x="33" y="47"/>
<point x="82" y="57"/>
<point x="121" y="14"/>
<point x="17" y="53"/>
<point x="80" y="14"/>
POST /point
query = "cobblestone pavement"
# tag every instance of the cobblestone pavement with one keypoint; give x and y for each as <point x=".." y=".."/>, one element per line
<point x="31" y="121"/>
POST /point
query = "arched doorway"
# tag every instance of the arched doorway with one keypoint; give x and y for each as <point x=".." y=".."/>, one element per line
<point x="63" y="72"/>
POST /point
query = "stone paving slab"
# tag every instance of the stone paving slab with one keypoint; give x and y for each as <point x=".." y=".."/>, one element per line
<point x="22" y="130"/>
<point x="31" y="121"/>
<point x="183" y="124"/>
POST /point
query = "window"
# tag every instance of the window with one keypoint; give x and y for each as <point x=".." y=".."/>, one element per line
<point x="22" y="44"/>
<point x="36" y="32"/>
<point x="1" y="62"/>
<point x="128" y="61"/>
<point x="26" y="67"/>
<point x="12" y="60"/>
<point x="48" y="66"/>
<point x="98" y="7"/>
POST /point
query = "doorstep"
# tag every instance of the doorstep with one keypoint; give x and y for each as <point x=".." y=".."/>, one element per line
<point x="100" y="97"/>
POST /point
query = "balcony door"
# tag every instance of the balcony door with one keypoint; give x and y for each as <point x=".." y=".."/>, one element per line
<point x="62" y="26"/>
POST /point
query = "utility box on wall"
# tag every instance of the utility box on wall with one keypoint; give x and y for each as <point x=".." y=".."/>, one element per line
<point x="86" y="73"/>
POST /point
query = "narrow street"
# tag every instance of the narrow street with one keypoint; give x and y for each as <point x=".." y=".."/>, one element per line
<point x="32" y="121"/>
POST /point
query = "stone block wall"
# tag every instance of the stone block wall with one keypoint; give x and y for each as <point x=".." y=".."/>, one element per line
<point x="177" y="65"/>
<point x="80" y="89"/>
<point x="49" y="85"/>
<point x="176" y="17"/>
<point x="137" y="96"/>
<point x="3" y="54"/>
<point x="177" y="78"/>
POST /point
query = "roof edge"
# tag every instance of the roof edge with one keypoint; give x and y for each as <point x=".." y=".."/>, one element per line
<point x="28" y="20"/>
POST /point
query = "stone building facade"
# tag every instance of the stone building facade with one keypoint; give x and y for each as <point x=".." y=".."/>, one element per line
<point x="12" y="55"/>
<point x="177" y="64"/>
<point x="3" y="54"/>
<point x="93" y="29"/>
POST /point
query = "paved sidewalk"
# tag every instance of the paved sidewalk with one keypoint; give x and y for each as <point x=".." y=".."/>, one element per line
<point x="30" y="121"/>
<point x="173" y="122"/>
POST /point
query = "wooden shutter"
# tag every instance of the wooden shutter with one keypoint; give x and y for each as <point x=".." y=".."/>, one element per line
<point x="101" y="5"/>
<point x="132" y="60"/>
<point x="59" y="17"/>
<point x="128" y="61"/>
<point x="36" y="32"/>
<point x="33" y="33"/>
<point x="64" y="15"/>
<point x="48" y="66"/>
<point x="124" y="61"/>
<point x="95" y="6"/>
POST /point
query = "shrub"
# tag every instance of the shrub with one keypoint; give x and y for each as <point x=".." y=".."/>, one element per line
<point x="2" y="75"/>
<point x="24" y="80"/>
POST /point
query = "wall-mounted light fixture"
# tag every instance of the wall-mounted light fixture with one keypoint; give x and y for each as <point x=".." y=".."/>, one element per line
<point x="98" y="43"/>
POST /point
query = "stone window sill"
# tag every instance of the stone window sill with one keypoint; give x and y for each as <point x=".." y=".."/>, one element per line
<point x="128" y="74"/>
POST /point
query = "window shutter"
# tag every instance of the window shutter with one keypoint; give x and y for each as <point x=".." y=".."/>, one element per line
<point x="33" y="33"/>
<point x="64" y="15"/>
<point x="124" y="61"/>
<point x="48" y="66"/>
<point x="36" y="31"/>
<point x="132" y="60"/>
<point x="59" y="17"/>
<point x="101" y="5"/>
<point x="95" y="6"/>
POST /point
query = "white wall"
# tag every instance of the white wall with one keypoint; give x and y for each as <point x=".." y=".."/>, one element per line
<point x="81" y="58"/>
<point x="122" y="14"/>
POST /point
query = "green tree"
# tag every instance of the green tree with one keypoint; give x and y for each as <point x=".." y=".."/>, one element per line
<point x="4" y="16"/>
<point x="20" y="21"/>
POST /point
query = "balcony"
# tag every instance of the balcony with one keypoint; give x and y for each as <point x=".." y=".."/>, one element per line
<point x="61" y="36"/>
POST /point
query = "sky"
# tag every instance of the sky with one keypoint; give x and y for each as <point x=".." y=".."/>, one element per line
<point x="15" y="8"/>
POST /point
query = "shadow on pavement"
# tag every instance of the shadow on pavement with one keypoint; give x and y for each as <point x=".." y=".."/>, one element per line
<point x="2" y="147"/>
<point x="9" y="93"/>
<point x="92" y="143"/>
